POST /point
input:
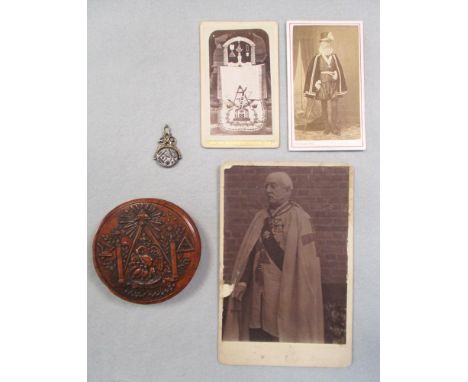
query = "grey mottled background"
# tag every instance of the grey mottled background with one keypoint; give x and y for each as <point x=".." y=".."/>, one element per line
<point x="143" y="71"/>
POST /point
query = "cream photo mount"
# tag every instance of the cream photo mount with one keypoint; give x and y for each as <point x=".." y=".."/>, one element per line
<point x="307" y="124"/>
<point x="239" y="84"/>
<point x="248" y="352"/>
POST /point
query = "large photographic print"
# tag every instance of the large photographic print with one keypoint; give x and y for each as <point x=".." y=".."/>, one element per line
<point x="286" y="264"/>
<point x="239" y="84"/>
<point x="325" y="83"/>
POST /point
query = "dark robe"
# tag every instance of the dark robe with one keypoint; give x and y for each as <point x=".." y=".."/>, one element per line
<point x="313" y="75"/>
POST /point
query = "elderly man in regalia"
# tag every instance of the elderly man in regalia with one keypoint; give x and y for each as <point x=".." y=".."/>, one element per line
<point x="277" y="294"/>
<point x="325" y="82"/>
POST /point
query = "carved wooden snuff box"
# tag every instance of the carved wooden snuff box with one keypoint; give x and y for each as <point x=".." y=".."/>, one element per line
<point x="146" y="250"/>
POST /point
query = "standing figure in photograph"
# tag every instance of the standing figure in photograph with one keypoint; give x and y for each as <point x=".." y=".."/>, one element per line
<point x="325" y="82"/>
<point x="277" y="292"/>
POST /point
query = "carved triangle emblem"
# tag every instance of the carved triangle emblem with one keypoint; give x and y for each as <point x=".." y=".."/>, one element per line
<point x="185" y="245"/>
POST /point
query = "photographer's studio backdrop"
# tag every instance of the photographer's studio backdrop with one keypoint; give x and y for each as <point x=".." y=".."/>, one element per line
<point x="323" y="194"/>
<point x="346" y="46"/>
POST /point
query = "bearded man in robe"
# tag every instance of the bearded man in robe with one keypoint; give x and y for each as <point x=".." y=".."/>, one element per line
<point x="277" y="293"/>
<point x="325" y="82"/>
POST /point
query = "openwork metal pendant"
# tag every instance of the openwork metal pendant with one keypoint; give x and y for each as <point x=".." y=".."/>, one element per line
<point x="167" y="154"/>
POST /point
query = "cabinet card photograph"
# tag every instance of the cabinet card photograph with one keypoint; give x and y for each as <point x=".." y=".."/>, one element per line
<point x="325" y="85"/>
<point x="286" y="254"/>
<point x="239" y="84"/>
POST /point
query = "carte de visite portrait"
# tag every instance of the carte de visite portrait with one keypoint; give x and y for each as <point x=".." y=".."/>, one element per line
<point x="325" y="85"/>
<point x="285" y="281"/>
<point x="239" y="84"/>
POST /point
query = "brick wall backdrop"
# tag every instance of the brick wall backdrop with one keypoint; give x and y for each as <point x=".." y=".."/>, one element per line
<point x="321" y="191"/>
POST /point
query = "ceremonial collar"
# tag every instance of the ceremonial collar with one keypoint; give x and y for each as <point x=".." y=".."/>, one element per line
<point x="285" y="207"/>
<point x="327" y="59"/>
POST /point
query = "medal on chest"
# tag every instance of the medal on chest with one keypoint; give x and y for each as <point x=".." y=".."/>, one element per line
<point x="275" y="226"/>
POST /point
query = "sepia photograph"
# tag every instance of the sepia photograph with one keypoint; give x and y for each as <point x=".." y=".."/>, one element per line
<point x="239" y="84"/>
<point x="325" y="85"/>
<point x="285" y="264"/>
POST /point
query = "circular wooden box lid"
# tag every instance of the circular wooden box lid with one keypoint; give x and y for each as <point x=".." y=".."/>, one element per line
<point x="146" y="250"/>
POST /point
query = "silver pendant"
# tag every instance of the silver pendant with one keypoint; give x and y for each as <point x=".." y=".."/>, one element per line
<point x="167" y="154"/>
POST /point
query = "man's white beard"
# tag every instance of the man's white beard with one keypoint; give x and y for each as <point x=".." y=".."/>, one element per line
<point x="325" y="50"/>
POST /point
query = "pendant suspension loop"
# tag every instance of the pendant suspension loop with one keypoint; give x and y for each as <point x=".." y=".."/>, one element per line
<point x="167" y="154"/>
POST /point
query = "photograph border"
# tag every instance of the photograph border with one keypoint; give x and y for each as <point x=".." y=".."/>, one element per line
<point x="283" y="353"/>
<point x="238" y="141"/>
<point x="325" y="145"/>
